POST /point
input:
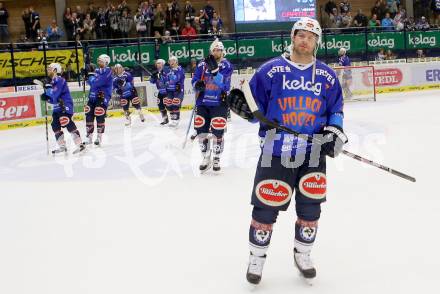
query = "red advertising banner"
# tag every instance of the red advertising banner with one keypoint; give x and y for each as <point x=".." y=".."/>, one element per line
<point x="19" y="107"/>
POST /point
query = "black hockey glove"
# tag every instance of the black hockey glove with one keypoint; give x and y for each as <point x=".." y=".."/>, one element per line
<point x="44" y="97"/>
<point x="178" y="88"/>
<point x="237" y="103"/>
<point x="62" y="106"/>
<point x="212" y="64"/>
<point x="155" y="75"/>
<point x="101" y="97"/>
<point x="334" y="139"/>
<point x="200" y="86"/>
<point x="120" y="83"/>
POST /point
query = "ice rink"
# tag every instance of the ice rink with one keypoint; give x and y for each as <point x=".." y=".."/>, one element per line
<point x="136" y="217"/>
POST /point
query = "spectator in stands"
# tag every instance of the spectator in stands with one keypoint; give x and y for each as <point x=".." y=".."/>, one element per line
<point x="113" y="18"/>
<point x="197" y="24"/>
<point x="166" y="38"/>
<point x="380" y="55"/>
<point x="26" y="16"/>
<point x="215" y="30"/>
<point x="410" y="24"/>
<point x="159" y="19"/>
<point x="158" y="42"/>
<point x="325" y="20"/>
<point x="360" y="19"/>
<point x="379" y="9"/>
<point x="392" y="7"/>
<point x="54" y="33"/>
<point x="216" y="17"/>
<point x="400" y="19"/>
<point x="422" y="24"/>
<point x="148" y="13"/>
<point x="4" y="32"/>
<point x="209" y="10"/>
<point x="204" y="22"/>
<point x="338" y="19"/>
<point x="140" y="22"/>
<point x="387" y="23"/>
<point x="174" y="30"/>
<point x="176" y="11"/>
<point x="374" y="22"/>
<point x="123" y="6"/>
<point x="334" y="18"/>
<point x="88" y="31"/>
<point x="190" y="12"/>
<point x="435" y="7"/>
<point x="74" y="26"/>
<point x="101" y="24"/>
<point x="344" y="6"/>
<point x="125" y="23"/>
<point x="389" y="55"/>
<point x="92" y="11"/>
<point x="35" y="23"/>
<point x="189" y="32"/>
<point x="346" y="20"/>
<point x="67" y="18"/>
<point x="80" y="13"/>
<point x="329" y="6"/>
<point x="420" y="53"/>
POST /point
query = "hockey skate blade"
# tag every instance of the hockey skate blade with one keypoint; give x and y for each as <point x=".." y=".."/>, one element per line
<point x="206" y="169"/>
<point x="306" y="281"/>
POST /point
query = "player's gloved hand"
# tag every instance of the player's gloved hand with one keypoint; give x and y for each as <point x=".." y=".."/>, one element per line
<point x="178" y="88"/>
<point x="120" y="83"/>
<point x="44" y="97"/>
<point x="101" y="97"/>
<point x="237" y="103"/>
<point x="200" y="86"/>
<point x="334" y="140"/>
<point x="212" y="64"/>
<point x="155" y="75"/>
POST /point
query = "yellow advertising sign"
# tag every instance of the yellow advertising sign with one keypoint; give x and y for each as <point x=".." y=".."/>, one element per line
<point x="31" y="63"/>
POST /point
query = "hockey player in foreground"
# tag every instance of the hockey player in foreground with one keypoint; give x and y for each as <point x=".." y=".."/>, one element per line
<point x="212" y="82"/>
<point x="124" y="86"/>
<point x="101" y="84"/>
<point x="346" y="76"/>
<point x="175" y="90"/>
<point x="56" y="92"/>
<point x="159" y="78"/>
<point x="302" y="94"/>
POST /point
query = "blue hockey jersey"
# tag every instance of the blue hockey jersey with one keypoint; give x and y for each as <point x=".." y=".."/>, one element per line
<point x="124" y="85"/>
<point x="101" y="81"/>
<point x="60" y="91"/>
<point x="284" y="93"/>
<point x="344" y="60"/>
<point x="175" y="76"/>
<point x="215" y="85"/>
<point x="162" y="81"/>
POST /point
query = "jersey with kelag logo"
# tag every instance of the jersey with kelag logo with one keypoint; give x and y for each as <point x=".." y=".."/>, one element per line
<point x="175" y="76"/>
<point x="215" y="85"/>
<point x="284" y="93"/>
<point x="124" y="85"/>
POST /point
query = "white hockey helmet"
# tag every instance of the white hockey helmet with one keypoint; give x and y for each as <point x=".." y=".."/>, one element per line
<point x="118" y="69"/>
<point x="308" y="24"/>
<point x="216" y="45"/>
<point x="104" y="58"/>
<point x="55" y="67"/>
<point x="172" y="57"/>
<point x="342" y="51"/>
<point x="160" y="60"/>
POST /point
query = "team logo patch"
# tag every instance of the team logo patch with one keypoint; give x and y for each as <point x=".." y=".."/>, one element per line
<point x="136" y="100"/>
<point x="273" y="192"/>
<point x="64" y="121"/>
<point x="313" y="185"/>
<point x="218" y="123"/>
<point x="167" y="101"/>
<point x="262" y="237"/>
<point x="176" y="101"/>
<point x="99" y="111"/>
<point x="86" y="109"/>
<point x="307" y="233"/>
<point x="124" y="102"/>
<point x="199" y="121"/>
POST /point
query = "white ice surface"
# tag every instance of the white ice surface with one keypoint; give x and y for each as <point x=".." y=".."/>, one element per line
<point x="135" y="217"/>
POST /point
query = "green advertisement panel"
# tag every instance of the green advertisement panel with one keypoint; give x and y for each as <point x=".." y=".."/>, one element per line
<point x="271" y="47"/>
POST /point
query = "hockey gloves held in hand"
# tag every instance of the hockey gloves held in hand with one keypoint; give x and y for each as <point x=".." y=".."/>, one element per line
<point x="44" y="97"/>
<point x="101" y="97"/>
<point x="200" y="86"/>
<point x="237" y="103"/>
<point x="333" y="141"/>
<point x="212" y="64"/>
<point x="178" y="88"/>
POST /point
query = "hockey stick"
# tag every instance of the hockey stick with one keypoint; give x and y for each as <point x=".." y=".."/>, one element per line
<point x="258" y="115"/>
<point x="144" y="68"/>
<point x="40" y="83"/>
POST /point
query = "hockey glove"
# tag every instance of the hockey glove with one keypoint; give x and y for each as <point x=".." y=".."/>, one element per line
<point x="101" y="97"/>
<point x="212" y="64"/>
<point x="62" y="106"/>
<point x="237" y="103"/>
<point x="200" y="86"/>
<point x="334" y="139"/>
<point x="120" y="83"/>
<point x="44" y="97"/>
<point x="155" y="75"/>
<point x="178" y="88"/>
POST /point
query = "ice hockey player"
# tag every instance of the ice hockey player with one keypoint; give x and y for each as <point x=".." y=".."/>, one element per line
<point x="303" y="94"/>
<point x="159" y="78"/>
<point x="175" y="90"/>
<point x="124" y="86"/>
<point x="101" y="84"/>
<point x="347" y="78"/>
<point x="56" y="92"/>
<point x="212" y="82"/>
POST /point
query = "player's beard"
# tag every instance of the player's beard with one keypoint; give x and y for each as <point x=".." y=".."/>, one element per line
<point x="302" y="54"/>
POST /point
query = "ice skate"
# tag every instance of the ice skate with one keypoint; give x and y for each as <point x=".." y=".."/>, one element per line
<point x="206" y="162"/>
<point x="98" y="140"/>
<point x="304" y="265"/>
<point x="174" y="123"/>
<point x="81" y="147"/>
<point x="255" y="269"/>
<point x="216" y="164"/>
<point x="127" y="119"/>
<point x="141" y="115"/>
<point x="59" y="150"/>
